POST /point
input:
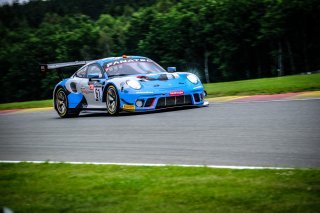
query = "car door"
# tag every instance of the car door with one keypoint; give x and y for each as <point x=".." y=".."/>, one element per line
<point x="92" y="88"/>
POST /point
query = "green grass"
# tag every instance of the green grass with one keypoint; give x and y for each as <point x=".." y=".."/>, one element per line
<point x="27" y="104"/>
<point x="247" y="87"/>
<point x="278" y="85"/>
<point x="105" y="188"/>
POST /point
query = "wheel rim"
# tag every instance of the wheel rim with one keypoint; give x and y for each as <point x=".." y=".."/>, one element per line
<point x="61" y="102"/>
<point x="112" y="100"/>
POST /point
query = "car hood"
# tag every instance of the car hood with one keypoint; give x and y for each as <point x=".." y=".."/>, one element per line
<point x="158" y="81"/>
<point x="162" y="80"/>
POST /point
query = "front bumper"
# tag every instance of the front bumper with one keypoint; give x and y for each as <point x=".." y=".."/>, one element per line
<point x="140" y="101"/>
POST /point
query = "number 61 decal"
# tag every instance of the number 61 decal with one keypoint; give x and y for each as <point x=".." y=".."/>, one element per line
<point x="97" y="93"/>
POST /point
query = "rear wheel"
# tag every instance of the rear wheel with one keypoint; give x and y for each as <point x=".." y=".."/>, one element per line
<point x="61" y="105"/>
<point x="112" y="100"/>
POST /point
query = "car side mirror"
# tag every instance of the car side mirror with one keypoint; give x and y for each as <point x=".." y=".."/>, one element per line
<point x="171" y="69"/>
<point x="91" y="76"/>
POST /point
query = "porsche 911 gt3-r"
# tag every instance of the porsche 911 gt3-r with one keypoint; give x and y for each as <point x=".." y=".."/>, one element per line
<point x="127" y="83"/>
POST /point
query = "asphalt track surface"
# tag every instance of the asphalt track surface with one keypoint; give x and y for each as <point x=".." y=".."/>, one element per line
<point x="270" y="134"/>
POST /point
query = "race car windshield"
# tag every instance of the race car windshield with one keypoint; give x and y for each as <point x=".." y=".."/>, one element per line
<point x="133" y="68"/>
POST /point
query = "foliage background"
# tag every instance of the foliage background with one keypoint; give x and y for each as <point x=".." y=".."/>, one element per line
<point x="241" y="39"/>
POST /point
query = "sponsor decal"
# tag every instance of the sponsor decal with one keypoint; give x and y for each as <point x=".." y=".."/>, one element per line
<point x="176" y="93"/>
<point x="126" y="61"/>
<point x="128" y="107"/>
<point x="146" y="92"/>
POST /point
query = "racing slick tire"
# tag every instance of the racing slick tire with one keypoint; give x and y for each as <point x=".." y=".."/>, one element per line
<point x="112" y="100"/>
<point x="61" y="105"/>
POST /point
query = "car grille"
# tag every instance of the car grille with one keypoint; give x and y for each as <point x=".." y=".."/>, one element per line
<point x="149" y="102"/>
<point x="174" y="101"/>
<point x="196" y="97"/>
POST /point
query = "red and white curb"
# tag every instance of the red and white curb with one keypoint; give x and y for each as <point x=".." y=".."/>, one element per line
<point x="292" y="96"/>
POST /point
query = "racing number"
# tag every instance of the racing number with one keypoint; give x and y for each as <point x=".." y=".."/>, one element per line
<point x="97" y="93"/>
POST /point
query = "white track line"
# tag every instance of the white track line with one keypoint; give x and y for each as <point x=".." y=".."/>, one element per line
<point x="147" y="164"/>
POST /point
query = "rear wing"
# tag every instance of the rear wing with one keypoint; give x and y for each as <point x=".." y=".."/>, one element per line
<point x="45" y="67"/>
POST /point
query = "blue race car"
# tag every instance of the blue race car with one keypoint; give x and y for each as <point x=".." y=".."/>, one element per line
<point x="127" y="83"/>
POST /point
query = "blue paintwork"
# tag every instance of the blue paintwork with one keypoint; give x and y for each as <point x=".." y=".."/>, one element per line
<point x="74" y="99"/>
<point x="149" y="89"/>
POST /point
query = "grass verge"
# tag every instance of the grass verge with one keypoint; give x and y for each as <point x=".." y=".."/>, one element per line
<point x="27" y="104"/>
<point x="45" y="187"/>
<point x="246" y="87"/>
<point x="278" y="85"/>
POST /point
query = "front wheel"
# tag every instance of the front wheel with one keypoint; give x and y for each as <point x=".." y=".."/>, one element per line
<point x="112" y="100"/>
<point x="61" y="105"/>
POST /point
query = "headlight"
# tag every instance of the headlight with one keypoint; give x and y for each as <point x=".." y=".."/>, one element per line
<point x="134" y="84"/>
<point x="192" y="78"/>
